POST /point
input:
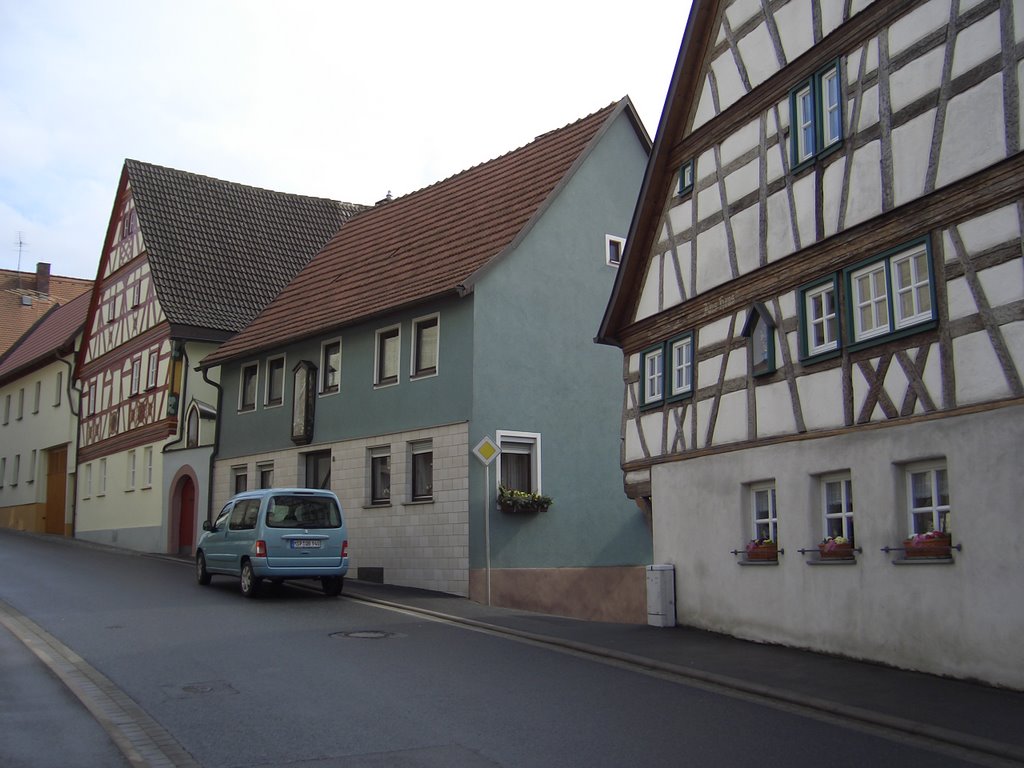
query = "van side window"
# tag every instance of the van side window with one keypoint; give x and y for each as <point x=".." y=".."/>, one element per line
<point x="222" y="518"/>
<point x="243" y="516"/>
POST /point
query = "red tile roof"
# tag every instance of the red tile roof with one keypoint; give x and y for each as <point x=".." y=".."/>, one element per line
<point x="426" y="244"/>
<point x="17" y="316"/>
<point x="53" y="335"/>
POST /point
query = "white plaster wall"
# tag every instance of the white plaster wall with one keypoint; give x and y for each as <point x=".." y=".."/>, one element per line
<point x="795" y="24"/>
<point x="822" y="408"/>
<point x="911" y="147"/>
<point x="917" y="25"/>
<point x="978" y="373"/>
<point x="865" y="197"/>
<point x="969" y="612"/>
<point x="756" y="50"/>
<point x="986" y="231"/>
<point x="120" y="509"/>
<point x="774" y="410"/>
<point x="977" y="43"/>
<point x="712" y="258"/>
<point x="964" y="129"/>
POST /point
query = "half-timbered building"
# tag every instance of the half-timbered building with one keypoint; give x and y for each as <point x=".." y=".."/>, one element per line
<point x="187" y="262"/>
<point x="821" y="309"/>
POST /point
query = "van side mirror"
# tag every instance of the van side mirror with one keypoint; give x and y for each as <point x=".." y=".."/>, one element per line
<point x="207" y="526"/>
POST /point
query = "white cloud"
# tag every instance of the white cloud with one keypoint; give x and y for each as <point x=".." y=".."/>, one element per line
<point x="323" y="98"/>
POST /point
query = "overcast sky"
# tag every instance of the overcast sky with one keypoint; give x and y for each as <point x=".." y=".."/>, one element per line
<point x="335" y="99"/>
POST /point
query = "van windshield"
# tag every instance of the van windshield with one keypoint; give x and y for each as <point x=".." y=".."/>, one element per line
<point x="286" y="511"/>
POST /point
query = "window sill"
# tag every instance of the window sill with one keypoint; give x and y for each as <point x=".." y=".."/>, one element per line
<point x="833" y="561"/>
<point x="758" y="562"/>
<point x="378" y="505"/>
<point x="418" y="502"/>
<point x="924" y="561"/>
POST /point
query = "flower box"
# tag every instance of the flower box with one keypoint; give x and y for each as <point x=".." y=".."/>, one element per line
<point x="831" y="549"/>
<point x="933" y="544"/>
<point x="521" y="502"/>
<point x="765" y="551"/>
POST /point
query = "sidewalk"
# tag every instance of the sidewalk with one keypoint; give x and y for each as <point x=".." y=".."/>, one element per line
<point x="975" y="716"/>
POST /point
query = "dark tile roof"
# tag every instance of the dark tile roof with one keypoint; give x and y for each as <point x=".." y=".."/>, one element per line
<point x="220" y="251"/>
<point x="425" y="244"/>
<point x="17" y="315"/>
<point x="51" y="336"/>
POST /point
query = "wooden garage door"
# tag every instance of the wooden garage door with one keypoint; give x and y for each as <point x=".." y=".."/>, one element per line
<point x="56" y="489"/>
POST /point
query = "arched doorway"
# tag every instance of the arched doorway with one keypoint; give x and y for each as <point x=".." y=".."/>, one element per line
<point x="187" y="515"/>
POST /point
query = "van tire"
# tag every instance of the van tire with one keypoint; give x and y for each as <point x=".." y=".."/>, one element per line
<point x="332" y="585"/>
<point x="248" y="581"/>
<point x="202" y="575"/>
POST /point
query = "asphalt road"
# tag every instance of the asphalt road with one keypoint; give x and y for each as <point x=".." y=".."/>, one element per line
<point x="298" y="679"/>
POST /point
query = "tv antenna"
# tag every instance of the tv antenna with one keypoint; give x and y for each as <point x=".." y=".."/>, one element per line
<point x="21" y="245"/>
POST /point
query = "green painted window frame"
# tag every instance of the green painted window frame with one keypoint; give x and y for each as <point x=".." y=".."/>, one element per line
<point x="814" y="86"/>
<point x="684" y="184"/>
<point x="647" y="401"/>
<point x="886" y="258"/>
<point x="669" y="389"/>
<point x="806" y="355"/>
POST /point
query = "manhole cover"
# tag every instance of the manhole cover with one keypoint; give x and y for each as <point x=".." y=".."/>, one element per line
<point x="364" y="634"/>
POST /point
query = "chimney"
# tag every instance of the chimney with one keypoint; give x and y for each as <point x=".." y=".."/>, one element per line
<point x="43" y="278"/>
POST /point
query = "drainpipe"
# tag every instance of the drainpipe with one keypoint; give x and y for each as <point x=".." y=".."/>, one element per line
<point x="216" y="441"/>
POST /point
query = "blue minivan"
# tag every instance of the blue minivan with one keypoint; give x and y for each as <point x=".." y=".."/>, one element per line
<point x="276" y="534"/>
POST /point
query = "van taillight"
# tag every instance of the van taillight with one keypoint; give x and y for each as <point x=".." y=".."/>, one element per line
<point x="344" y="549"/>
<point x="261" y="548"/>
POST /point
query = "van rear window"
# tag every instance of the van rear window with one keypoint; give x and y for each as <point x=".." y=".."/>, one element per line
<point x="287" y="511"/>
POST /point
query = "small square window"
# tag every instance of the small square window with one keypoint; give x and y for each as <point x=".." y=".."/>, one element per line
<point x="136" y="376"/>
<point x="685" y="184"/>
<point x="387" y="356"/>
<point x="275" y="381"/>
<point x="837" y="506"/>
<point x="519" y="466"/>
<point x="330" y="367"/>
<point x="266" y="475"/>
<point x="613" y="248"/>
<point x="422" y="470"/>
<point x="425" y="346"/>
<point x="239" y="478"/>
<point x="816" y="115"/>
<point x="820" y="319"/>
<point x="890" y="293"/>
<point x="380" y="475"/>
<point x="247" y="387"/>
<point x="154" y="364"/>
<point x="764" y="513"/>
<point x="928" y="498"/>
<point x="652" y="375"/>
<point x="681" y="350"/>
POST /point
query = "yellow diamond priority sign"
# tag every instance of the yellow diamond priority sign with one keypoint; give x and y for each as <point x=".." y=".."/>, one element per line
<point x="486" y="450"/>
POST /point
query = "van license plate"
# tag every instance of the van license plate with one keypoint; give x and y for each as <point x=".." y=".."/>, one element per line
<point x="305" y="544"/>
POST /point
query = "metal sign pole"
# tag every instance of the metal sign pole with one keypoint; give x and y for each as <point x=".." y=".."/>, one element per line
<point x="487" y="525"/>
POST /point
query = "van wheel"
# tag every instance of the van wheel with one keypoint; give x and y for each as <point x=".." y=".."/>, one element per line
<point x="332" y="585"/>
<point x="248" y="581"/>
<point x="202" y="575"/>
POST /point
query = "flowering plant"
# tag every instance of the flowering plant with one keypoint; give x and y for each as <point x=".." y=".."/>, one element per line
<point x="762" y="549"/>
<point x="830" y="543"/>
<point x="930" y="544"/>
<point x="836" y="548"/>
<point x="927" y="539"/>
<point x="512" y="500"/>
<point x="754" y="543"/>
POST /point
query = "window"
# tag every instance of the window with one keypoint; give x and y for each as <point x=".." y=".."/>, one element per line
<point x="266" y="473"/>
<point x="685" y="185"/>
<point x="101" y="481"/>
<point x="58" y="392"/>
<point x="147" y="467"/>
<point x="243" y="516"/>
<point x="275" y="382"/>
<point x="613" y="248"/>
<point x="192" y="428"/>
<point x="92" y="399"/>
<point x="765" y="516"/>
<point x="136" y="375"/>
<point x="330" y="365"/>
<point x="422" y="470"/>
<point x="7" y="409"/>
<point x="681" y="351"/>
<point x="36" y="396"/>
<point x="652" y="372"/>
<point x="30" y="478"/>
<point x="21" y="403"/>
<point x="247" y="387"/>
<point x="3" y="471"/>
<point x="424" y="353"/>
<point x="837" y="506"/>
<point x="303" y="402"/>
<point x="928" y="498"/>
<point x="130" y="476"/>
<point x="891" y="293"/>
<point x="240" y="478"/>
<point x="154" y="364"/>
<point x="129" y="224"/>
<point x="87" y="482"/>
<point x="380" y="475"/>
<point x="387" y="352"/>
<point x="519" y="461"/>
<point x="136" y="294"/>
<point x="16" y="469"/>
<point x="760" y="329"/>
<point x="820" y="319"/>
<point x="318" y="470"/>
<point x="816" y="115"/>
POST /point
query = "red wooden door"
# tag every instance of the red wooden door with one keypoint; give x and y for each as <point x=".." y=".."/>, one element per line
<point x="187" y="517"/>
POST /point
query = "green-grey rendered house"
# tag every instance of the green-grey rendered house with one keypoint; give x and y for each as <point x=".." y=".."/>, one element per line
<point x="461" y="313"/>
